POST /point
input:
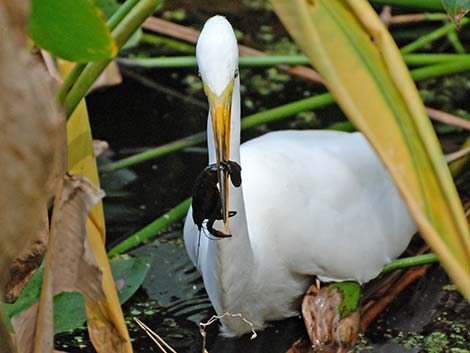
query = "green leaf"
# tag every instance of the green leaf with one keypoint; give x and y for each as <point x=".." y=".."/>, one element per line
<point x="456" y="9"/>
<point x="30" y="293"/>
<point x="351" y="292"/>
<point x="69" y="311"/>
<point x="74" y="30"/>
<point x="69" y="308"/>
<point x="375" y="90"/>
<point x="109" y="7"/>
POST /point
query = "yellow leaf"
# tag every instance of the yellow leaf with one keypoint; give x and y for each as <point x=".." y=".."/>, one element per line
<point x="362" y="67"/>
<point x="106" y="324"/>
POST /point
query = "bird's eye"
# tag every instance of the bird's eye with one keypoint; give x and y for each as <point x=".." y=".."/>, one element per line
<point x="236" y="74"/>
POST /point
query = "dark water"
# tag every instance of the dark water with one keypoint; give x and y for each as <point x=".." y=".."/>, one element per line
<point x="172" y="301"/>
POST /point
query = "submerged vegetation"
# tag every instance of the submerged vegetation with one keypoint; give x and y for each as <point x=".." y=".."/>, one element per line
<point x="280" y="89"/>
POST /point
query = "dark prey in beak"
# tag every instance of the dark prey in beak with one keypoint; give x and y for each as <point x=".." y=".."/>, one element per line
<point x="206" y="196"/>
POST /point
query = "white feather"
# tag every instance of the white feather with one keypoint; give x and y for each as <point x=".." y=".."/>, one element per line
<point x="312" y="203"/>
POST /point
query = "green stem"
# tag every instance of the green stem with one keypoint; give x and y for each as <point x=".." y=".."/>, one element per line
<point x="154" y="39"/>
<point x="435" y="16"/>
<point x="424" y="4"/>
<point x="432" y="36"/>
<point x="278" y="113"/>
<point x="121" y="13"/>
<point x="113" y="21"/>
<point x="69" y="82"/>
<point x="434" y="71"/>
<point x="455" y="41"/>
<point x="153" y="228"/>
<point x="155" y="152"/>
<point x="410" y="262"/>
<point x="123" y="31"/>
<point x="274" y="60"/>
<point x="246" y="123"/>
<point x="431" y="59"/>
<point x="244" y="61"/>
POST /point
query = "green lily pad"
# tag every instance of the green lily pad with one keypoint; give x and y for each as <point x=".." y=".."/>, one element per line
<point x="69" y="308"/>
<point x="71" y="29"/>
<point x="351" y="292"/>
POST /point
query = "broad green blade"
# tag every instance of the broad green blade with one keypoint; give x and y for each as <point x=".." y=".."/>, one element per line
<point x="71" y="29"/>
<point x="362" y="67"/>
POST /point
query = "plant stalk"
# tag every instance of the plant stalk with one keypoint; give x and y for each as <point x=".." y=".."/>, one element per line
<point x="423" y="4"/>
<point x="410" y="262"/>
<point x="267" y="116"/>
<point x="153" y="228"/>
<point x="278" y="113"/>
<point x="123" y="31"/>
<point x="432" y="36"/>
<point x="453" y="38"/>
<point x="274" y="60"/>
<point x="113" y="21"/>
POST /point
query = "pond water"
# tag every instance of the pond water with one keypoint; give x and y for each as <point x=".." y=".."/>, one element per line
<point x="172" y="301"/>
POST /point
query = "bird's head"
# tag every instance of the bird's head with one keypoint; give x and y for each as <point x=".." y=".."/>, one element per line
<point x="217" y="59"/>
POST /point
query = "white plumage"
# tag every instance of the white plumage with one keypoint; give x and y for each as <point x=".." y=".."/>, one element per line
<point x="312" y="203"/>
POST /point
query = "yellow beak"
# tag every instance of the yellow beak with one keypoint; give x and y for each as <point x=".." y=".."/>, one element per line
<point x="220" y="109"/>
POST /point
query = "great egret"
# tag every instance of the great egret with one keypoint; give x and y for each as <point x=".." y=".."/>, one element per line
<point x="311" y="203"/>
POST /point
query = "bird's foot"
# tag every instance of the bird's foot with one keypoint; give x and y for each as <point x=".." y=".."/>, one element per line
<point x="329" y="324"/>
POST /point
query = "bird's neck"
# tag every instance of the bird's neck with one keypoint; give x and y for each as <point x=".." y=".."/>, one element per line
<point x="234" y="256"/>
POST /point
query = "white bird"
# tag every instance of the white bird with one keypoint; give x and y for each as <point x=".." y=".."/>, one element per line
<point x="311" y="203"/>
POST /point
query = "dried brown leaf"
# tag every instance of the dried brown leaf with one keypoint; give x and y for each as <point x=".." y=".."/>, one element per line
<point x="74" y="266"/>
<point x="325" y="327"/>
<point x="32" y="138"/>
<point x="25" y="266"/>
<point x="100" y="147"/>
<point x="25" y="326"/>
<point x="70" y="264"/>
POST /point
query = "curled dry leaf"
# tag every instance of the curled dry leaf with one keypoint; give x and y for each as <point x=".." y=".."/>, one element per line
<point x="100" y="147"/>
<point x="74" y="266"/>
<point x="325" y="327"/>
<point x="32" y="138"/>
<point x="26" y="264"/>
<point x="70" y="265"/>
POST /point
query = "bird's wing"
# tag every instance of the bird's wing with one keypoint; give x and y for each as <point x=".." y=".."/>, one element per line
<point x="321" y="203"/>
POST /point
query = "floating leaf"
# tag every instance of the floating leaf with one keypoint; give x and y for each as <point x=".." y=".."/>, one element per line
<point x="69" y="307"/>
<point x="74" y="30"/>
<point x="362" y="67"/>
